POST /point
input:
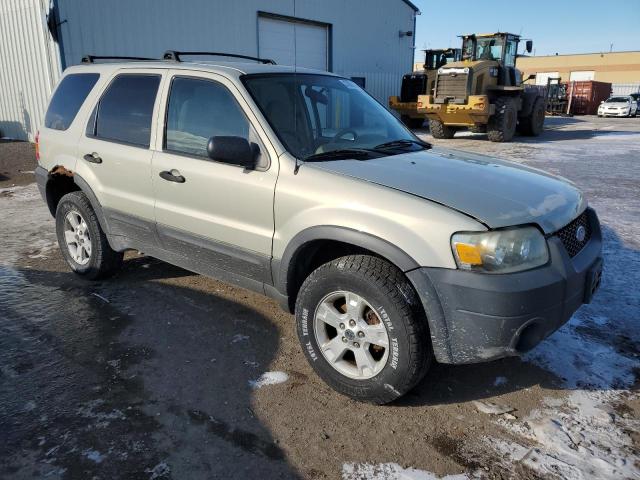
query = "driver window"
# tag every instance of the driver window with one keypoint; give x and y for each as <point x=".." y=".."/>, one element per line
<point x="199" y="109"/>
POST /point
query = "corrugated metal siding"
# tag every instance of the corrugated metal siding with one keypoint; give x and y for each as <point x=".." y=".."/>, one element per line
<point x="365" y="40"/>
<point x="625" y="88"/>
<point x="29" y="67"/>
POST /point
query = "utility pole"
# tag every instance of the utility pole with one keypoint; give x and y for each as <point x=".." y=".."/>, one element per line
<point x="610" y="47"/>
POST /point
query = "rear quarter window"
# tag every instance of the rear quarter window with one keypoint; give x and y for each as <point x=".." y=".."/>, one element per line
<point x="68" y="98"/>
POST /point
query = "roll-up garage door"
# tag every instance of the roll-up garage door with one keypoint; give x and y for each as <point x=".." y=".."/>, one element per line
<point x="289" y="42"/>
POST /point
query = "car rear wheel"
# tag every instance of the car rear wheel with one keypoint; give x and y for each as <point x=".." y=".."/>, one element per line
<point x="362" y="328"/>
<point x="82" y="242"/>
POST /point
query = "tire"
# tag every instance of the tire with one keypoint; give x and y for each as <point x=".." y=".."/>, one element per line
<point x="502" y="124"/>
<point x="389" y="306"/>
<point x="99" y="260"/>
<point x="439" y="130"/>
<point x="412" y="122"/>
<point x="533" y="124"/>
<point x="478" y="129"/>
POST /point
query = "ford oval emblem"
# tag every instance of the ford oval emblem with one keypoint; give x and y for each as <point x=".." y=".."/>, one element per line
<point x="581" y="233"/>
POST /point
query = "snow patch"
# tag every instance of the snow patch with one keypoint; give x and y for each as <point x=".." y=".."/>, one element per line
<point x="269" y="378"/>
<point x="581" y="436"/>
<point x="93" y="455"/>
<point x="238" y="337"/>
<point x="583" y="362"/>
<point x="500" y="381"/>
<point x="582" y="440"/>
<point x="162" y="469"/>
<point x="392" y="471"/>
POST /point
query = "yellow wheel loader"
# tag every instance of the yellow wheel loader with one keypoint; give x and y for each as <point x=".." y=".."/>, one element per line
<point x="421" y="82"/>
<point x="484" y="92"/>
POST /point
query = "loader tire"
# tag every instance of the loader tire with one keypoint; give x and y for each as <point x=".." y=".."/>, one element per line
<point x="502" y="124"/>
<point x="439" y="130"/>
<point x="532" y="124"/>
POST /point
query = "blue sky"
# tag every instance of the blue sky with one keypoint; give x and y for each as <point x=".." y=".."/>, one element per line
<point x="562" y="26"/>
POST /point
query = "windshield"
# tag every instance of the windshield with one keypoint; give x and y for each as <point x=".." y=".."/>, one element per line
<point x="315" y="114"/>
<point x="489" y="48"/>
<point x="618" y="100"/>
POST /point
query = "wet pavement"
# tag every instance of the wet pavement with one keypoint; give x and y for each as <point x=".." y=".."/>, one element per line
<point x="148" y="375"/>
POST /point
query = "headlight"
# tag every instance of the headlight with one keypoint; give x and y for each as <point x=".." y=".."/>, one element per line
<point x="500" y="251"/>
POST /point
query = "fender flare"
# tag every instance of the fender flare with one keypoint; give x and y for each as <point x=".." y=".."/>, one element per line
<point x="95" y="204"/>
<point x="284" y="268"/>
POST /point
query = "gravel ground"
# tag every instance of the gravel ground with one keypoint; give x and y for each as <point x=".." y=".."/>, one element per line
<point x="153" y="374"/>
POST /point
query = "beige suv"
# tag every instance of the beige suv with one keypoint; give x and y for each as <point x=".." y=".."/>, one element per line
<point x="297" y="184"/>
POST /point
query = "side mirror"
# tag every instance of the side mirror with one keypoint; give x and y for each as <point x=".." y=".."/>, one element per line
<point x="529" y="46"/>
<point x="531" y="76"/>
<point x="233" y="150"/>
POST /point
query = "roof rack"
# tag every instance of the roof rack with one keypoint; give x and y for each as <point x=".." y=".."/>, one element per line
<point x="175" y="56"/>
<point x="92" y="58"/>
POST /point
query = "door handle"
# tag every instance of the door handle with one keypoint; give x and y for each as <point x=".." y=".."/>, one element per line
<point x="172" y="176"/>
<point x="92" y="158"/>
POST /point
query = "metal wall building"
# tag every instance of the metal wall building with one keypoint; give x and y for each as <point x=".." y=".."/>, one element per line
<point x="372" y="40"/>
<point x="29" y="66"/>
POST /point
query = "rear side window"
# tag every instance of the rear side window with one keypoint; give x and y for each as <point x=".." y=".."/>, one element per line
<point x="125" y="110"/>
<point x="200" y="109"/>
<point x="69" y="97"/>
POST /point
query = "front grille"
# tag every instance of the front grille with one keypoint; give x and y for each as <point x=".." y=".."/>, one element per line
<point x="451" y="86"/>
<point x="412" y="86"/>
<point x="568" y="237"/>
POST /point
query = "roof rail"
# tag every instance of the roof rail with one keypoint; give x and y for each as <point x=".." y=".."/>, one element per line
<point x="175" y="56"/>
<point x="92" y="58"/>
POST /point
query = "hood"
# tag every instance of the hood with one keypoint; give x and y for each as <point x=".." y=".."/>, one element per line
<point x="495" y="192"/>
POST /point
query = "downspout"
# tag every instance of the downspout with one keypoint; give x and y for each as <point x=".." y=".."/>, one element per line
<point x="60" y="42"/>
<point x="413" y="49"/>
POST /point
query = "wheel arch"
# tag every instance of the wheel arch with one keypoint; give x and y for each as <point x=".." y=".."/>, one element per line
<point x="60" y="181"/>
<point x="325" y="243"/>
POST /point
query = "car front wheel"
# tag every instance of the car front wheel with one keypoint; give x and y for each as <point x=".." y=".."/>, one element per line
<point x="362" y="328"/>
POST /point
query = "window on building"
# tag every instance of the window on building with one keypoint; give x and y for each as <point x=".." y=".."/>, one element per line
<point x="69" y="97"/>
<point x="198" y="110"/>
<point x="125" y="110"/>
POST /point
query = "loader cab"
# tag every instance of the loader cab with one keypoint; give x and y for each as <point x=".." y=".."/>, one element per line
<point x="497" y="47"/>
<point x="434" y="59"/>
<point x="501" y="48"/>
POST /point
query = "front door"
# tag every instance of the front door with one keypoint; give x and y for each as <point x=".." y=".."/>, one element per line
<point x="217" y="213"/>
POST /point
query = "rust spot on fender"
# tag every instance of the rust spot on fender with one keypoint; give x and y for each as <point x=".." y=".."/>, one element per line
<point x="61" y="171"/>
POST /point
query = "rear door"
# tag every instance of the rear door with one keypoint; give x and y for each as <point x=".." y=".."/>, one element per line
<point x="115" y="154"/>
<point x="219" y="214"/>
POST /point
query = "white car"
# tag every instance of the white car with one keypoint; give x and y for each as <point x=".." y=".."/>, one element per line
<point x="618" y="106"/>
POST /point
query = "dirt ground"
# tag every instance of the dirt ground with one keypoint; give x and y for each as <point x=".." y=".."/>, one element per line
<point x="17" y="162"/>
<point x="148" y="375"/>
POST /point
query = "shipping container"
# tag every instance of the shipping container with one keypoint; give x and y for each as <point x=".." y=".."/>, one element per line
<point x="585" y="96"/>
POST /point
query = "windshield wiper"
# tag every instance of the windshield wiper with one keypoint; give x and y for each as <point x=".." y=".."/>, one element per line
<point x="402" y="143"/>
<point x="343" y="153"/>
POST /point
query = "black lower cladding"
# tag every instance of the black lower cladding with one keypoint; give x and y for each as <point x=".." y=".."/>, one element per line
<point x="476" y="317"/>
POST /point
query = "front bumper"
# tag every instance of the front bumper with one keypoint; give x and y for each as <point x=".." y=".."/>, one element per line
<point x="475" y="317"/>
<point x="409" y="109"/>
<point x="476" y="111"/>
<point x="614" y="113"/>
